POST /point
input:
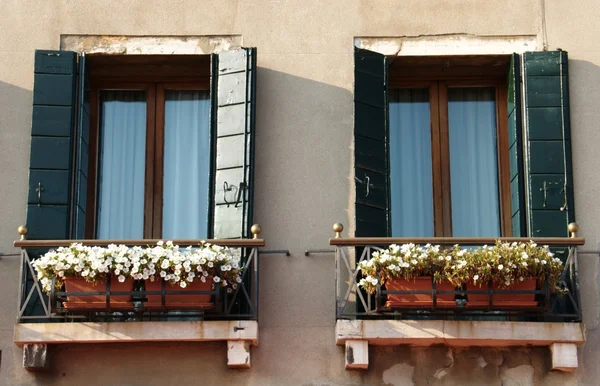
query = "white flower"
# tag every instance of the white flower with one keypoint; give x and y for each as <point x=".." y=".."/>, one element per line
<point x="500" y="267"/>
<point x="121" y="279"/>
<point x="475" y="278"/>
<point x="216" y="279"/>
<point x="183" y="284"/>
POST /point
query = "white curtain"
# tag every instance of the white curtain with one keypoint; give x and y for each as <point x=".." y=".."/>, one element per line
<point x="186" y="164"/>
<point x="410" y="163"/>
<point x="473" y="162"/>
<point x="122" y="165"/>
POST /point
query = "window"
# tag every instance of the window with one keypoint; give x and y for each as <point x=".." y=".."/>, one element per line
<point x="142" y="146"/>
<point x="439" y="148"/>
<point x="160" y="129"/>
<point x="447" y="143"/>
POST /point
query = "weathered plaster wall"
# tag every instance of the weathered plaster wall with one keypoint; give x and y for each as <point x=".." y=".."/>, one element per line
<point x="571" y="28"/>
<point x="303" y="178"/>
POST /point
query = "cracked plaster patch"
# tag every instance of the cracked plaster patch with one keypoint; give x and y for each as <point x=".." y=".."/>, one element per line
<point x="517" y="376"/>
<point x="399" y="374"/>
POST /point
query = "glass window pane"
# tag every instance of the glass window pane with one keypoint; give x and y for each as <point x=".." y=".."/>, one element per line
<point x="122" y="165"/>
<point x="410" y="163"/>
<point x="473" y="162"/>
<point x="186" y="164"/>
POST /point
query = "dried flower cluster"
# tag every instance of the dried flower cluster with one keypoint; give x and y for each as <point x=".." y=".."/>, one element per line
<point x="165" y="260"/>
<point x="502" y="263"/>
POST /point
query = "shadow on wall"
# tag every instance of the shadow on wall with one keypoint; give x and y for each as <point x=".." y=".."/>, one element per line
<point x="584" y="90"/>
<point x="15" y="130"/>
<point x="303" y="163"/>
<point x="304" y="140"/>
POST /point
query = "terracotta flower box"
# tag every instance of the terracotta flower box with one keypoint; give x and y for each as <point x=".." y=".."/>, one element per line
<point x="503" y="299"/>
<point x="78" y="284"/>
<point x="180" y="301"/>
<point x="421" y="283"/>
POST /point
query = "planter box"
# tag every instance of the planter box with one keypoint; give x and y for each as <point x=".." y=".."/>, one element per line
<point x="180" y="301"/>
<point x="421" y="283"/>
<point x="503" y="300"/>
<point x="77" y="284"/>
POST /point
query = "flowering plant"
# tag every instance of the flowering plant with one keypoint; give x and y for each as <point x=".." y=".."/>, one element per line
<point x="502" y="263"/>
<point x="165" y="260"/>
<point x="505" y="263"/>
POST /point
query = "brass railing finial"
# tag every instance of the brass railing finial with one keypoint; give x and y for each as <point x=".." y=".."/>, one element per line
<point x="573" y="228"/>
<point x="255" y="231"/>
<point x="338" y="228"/>
<point x="22" y="230"/>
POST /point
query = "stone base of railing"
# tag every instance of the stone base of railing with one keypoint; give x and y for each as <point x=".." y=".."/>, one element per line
<point x="561" y="338"/>
<point x="36" y="337"/>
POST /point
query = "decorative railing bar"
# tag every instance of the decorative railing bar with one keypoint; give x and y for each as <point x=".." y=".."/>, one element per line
<point x="275" y="252"/>
<point x="589" y="253"/>
<point x="309" y="252"/>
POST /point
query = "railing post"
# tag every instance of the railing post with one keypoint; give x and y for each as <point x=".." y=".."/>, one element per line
<point x="22" y="231"/>
<point x="573" y="229"/>
<point x="338" y="228"/>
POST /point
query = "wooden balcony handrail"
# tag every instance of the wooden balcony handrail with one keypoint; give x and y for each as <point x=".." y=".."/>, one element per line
<point x="253" y="242"/>
<point x="359" y="241"/>
<point x="338" y="240"/>
<point x="140" y="242"/>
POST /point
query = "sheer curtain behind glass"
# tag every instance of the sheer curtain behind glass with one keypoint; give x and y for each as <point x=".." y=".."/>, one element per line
<point x="473" y="162"/>
<point x="122" y="165"/>
<point x="186" y="164"/>
<point x="410" y="163"/>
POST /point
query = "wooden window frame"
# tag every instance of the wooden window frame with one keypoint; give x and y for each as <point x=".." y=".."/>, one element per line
<point x="438" y="102"/>
<point x="154" y="88"/>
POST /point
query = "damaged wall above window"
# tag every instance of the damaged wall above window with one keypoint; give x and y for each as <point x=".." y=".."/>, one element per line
<point x="150" y="45"/>
<point x="453" y="44"/>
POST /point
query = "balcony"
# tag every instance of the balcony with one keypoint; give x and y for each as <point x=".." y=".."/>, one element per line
<point x="147" y="315"/>
<point x="553" y="319"/>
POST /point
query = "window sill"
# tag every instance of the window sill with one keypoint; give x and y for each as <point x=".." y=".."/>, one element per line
<point x="561" y="338"/>
<point x="35" y="337"/>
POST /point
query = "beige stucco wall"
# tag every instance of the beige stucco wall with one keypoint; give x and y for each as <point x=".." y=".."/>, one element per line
<point x="303" y="179"/>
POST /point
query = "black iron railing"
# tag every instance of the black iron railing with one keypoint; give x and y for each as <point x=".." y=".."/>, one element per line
<point x="551" y="304"/>
<point x="34" y="305"/>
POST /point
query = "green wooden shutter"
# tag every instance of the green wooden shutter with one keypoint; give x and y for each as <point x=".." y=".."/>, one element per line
<point x="51" y="145"/>
<point x="515" y="145"/>
<point x="234" y="75"/>
<point x="49" y="196"/>
<point x="548" y="143"/>
<point x="82" y="137"/>
<point x="371" y="163"/>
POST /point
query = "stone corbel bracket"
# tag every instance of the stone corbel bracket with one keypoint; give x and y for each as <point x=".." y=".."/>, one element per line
<point x="561" y="338"/>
